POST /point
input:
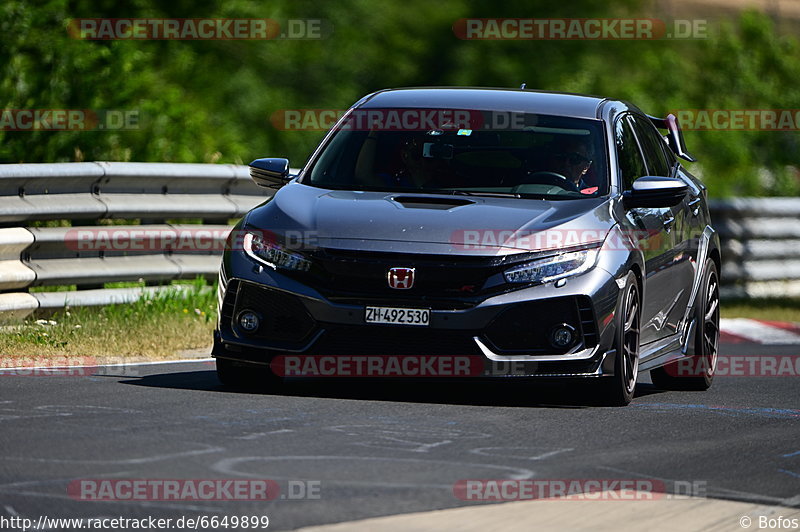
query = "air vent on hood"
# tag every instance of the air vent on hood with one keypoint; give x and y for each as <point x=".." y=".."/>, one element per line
<point x="431" y="202"/>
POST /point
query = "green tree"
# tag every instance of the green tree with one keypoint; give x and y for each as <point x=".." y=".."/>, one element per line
<point x="211" y="101"/>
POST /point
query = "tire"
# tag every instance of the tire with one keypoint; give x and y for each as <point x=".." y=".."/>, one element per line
<point x="703" y="364"/>
<point x="619" y="389"/>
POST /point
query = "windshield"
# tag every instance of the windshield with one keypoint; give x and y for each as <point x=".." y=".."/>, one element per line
<point x="549" y="157"/>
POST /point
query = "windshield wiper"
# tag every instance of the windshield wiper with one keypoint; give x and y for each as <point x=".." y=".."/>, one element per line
<point x="471" y="193"/>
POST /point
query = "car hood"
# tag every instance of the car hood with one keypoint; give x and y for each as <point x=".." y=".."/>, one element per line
<point x="426" y="223"/>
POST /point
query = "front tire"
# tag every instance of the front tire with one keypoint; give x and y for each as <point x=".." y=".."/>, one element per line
<point x="703" y="365"/>
<point x="619" y="389"/>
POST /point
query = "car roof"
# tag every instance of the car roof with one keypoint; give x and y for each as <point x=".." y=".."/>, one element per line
<point x="486" y="99"/>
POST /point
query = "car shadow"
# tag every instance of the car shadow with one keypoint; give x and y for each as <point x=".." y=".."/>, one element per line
<point x="517" y="393"/>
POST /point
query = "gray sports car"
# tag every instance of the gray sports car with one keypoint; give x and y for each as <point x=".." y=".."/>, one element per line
<point x="472" y="232"/>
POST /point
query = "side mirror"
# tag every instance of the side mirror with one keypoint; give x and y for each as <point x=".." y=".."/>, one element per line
<point x="654" y="191"/>
<point x="270" y="173"/>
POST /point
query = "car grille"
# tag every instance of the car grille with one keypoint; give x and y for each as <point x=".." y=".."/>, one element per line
<point x="527" y="326"/>
<point x="420" y="302"/>
<point x="395" y="341"/>
<point x="441" y="281"/>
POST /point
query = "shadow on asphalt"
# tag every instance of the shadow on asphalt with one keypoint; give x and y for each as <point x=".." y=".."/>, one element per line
<point x="525" y="393"/>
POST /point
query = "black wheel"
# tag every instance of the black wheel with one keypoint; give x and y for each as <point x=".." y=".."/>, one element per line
<point x="698" y="372"/>
<point x="619" y="389"/>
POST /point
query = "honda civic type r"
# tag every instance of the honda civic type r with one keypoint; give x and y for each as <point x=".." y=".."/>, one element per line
<point x="505" y="233"/>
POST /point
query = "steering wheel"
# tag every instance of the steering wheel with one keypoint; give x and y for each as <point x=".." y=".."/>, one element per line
<point x="547" y="178"/>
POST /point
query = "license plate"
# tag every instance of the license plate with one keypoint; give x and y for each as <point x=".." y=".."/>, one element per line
<point x="398" y="316"/>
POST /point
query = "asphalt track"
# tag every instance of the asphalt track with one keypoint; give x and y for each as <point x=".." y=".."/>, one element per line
<point x="367" y="449"/>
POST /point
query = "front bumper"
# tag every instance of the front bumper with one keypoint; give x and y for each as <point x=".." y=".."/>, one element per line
<point x="508" y="334"/>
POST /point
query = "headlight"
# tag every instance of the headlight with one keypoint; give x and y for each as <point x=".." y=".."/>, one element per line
<point x="273" y="254"/>
<point x="552" y="268"/>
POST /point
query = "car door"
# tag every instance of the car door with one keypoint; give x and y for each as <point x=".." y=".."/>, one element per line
<point x="675" y="270"/>
<point x="650" y="230"/>
<point x="695" y="223"/>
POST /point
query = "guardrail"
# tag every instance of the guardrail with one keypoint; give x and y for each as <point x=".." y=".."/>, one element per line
<point x="761" y="237"/>
<point x="100" y="199"/>
<point x="760" y="246"/>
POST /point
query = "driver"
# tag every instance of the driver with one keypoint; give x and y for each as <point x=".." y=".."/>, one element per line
<point x="413" y="172"/>
<point x="416" y="170"/>
<point x="571" y="156"/>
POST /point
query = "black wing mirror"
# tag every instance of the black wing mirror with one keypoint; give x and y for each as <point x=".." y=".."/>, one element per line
<point x="270" y="173"/>
<point x="654" y="191"/>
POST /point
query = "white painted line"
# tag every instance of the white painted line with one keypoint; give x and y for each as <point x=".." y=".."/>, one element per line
<point x="257" y="435"/>
<point x="758" y="332"/>
<point x="120" y="365"/>
<point x="752" y="330"/>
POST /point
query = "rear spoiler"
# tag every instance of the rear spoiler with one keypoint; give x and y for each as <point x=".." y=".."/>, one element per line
<point x="674" y="135"/>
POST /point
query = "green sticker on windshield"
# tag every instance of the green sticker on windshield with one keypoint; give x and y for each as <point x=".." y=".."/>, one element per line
<point x="465" y="132"/>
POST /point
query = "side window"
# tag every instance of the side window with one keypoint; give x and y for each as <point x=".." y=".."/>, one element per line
<point x="671" y="159"/>
<point x="631" y="164"/>
<point x="653" y="147"/>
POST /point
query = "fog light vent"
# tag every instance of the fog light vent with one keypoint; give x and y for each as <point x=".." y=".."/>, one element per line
<point x="249" y="321"/>
<point x="562" y="336"/>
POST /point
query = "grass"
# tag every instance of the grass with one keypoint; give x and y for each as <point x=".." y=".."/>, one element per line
<point x="182" y="317"/>
<point x="116" y="284"/>
<point x="157" y="326"/>
<point x="783" y="309"/>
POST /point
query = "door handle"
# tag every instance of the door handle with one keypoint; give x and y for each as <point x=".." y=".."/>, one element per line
<point x="668" y="221"/>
